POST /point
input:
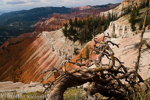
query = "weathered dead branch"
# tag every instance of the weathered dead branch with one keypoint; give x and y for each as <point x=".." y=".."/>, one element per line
<point x="140" y="46"/>
<point x="112" y="80"/>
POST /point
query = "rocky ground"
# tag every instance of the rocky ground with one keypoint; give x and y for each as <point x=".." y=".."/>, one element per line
<point x="16" y="90"/>
<point x="128" y="52"/>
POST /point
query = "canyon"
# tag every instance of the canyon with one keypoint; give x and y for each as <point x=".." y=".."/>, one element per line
<point x="57" y="21"/>
<point x="41" y="52"/>
<point x="32" y="53"/>
<point x="23" y="58"/>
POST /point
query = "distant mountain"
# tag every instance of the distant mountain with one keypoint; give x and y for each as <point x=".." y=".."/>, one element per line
<point x="1" y="13"/>
<point x="19" y="22"/>
<point x="28" y="17"/>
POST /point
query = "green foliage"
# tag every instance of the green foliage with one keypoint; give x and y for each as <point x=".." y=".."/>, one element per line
<point x="140" y="26"/>
<point x="87" y="53"/>
<point x="147" y="3"/>
<point x="149" y="27"/>
<point x="18" y="22"/>
<point x="80" y="56"/>
<point x="113" y="35"/>
<point x="6" y="32"/>
<point x="101" y="6"/>
<point x="83" y="30"/>
<point x="70" y="21"/>
<point x="65" y="31"/>
<point x="132" y="19"/>
<point x="148" y="21"/>
<point x="142" y="5"/>
<point x="142" y="94"/>
<point x="76" y="51"/>
<point x="137" y="11"/>
<point x="126" y="11"/>
<point x="30" y="15"/>
<point x="76" y="21"/>
<point x="74" y="94"/>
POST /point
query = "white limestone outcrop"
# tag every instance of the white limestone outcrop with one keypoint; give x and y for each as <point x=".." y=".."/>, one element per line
<point x="119" y="29"/>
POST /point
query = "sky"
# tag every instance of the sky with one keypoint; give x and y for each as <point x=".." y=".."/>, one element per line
<point x="16" y="5"/>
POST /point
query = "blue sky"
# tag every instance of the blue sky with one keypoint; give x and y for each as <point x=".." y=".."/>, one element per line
<point x="15" y="5"/>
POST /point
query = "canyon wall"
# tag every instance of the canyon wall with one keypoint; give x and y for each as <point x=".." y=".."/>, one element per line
<point x="120" y="27"/>
<point x="24" y="57"/>
<point x="119" y="10"/>
<point x="24" y="60"/>
<point x="52" y="24"/>
<point x="127" y="3"/>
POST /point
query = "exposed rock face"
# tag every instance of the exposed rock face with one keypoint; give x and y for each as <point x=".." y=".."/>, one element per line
<point x="37" y="53"/>
<point x="116" y="11"/>
<point x="54" y="23"/>
<point x="128" y="52"/>
<point x="120" y="27"/>
<point x="127" y="3"/>
<point x="119" y="10"/>
<point x="34" y="55"/>
<point x="82" y="7"/>
<point x="28" y="55"/>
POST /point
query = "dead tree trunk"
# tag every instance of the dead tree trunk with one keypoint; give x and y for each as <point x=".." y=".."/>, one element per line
<point x="57" y="91"/>
<point x="110" y="80"/>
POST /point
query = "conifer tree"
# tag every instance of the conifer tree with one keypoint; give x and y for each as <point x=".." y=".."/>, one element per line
<point x="65" y="31"/>
<point x="70" y="22"/>
<point x="87" y="53"/>
<point x="147" y="3"/>
<point x="76" y="21"/>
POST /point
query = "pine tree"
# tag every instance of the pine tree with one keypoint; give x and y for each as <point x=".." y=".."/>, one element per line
<point x="87" y="53"/>
<point x="76" y="22"/>
<point x="70" y="22"/>
<point x="80" y="56"/>
<point x="132" y="19"/>
<point x="65" y="31"/>
<point x="147" y="3"/>
<point x="140" y="26"/>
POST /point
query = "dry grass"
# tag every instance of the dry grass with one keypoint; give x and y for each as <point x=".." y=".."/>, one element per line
<point x="28" y="96"/>
<point x="74" y="94"/>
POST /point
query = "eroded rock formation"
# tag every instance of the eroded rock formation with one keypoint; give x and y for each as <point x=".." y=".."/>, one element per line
<point x="52" y="24"/>
<point x="127" y="3"/>
<point x="34" y="55"/>
<point x="37" y="53"/>
<point x="120" y="9"/>
<point x="81" y="8"/>
<point x="120" y="27"/>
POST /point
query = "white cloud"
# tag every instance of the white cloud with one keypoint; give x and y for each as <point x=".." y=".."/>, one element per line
<point x="11" y="5"/>
<point x="35" y="0"/>
<point x="15" y="2"/>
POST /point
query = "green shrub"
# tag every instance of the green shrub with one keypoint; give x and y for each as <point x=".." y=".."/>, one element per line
<point x="76" y="51"/>
<point x="140" y="26"/>
<point x="113" y="35"/>
<point x="74" y="94"/>
<point x="87" y="53"/>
